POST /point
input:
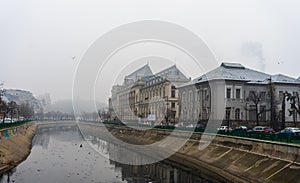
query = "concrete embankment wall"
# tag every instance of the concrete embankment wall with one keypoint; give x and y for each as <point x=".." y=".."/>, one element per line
<point x="250" y="159"/>
<point x="15" y="145"/>
<point x="233" y="158"/>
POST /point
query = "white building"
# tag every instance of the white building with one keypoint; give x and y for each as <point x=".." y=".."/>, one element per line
<point x="226" y="93"/>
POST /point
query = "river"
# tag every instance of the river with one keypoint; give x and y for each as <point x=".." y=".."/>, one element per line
<point x="60" y="154"/>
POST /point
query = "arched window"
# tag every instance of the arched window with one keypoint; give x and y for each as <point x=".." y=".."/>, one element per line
<point x="237" y="114"/>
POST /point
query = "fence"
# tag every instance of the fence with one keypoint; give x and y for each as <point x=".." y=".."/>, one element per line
<point x="14" y="124"/>
<point x="8" y="130"/>
<point x="295" y="139"/>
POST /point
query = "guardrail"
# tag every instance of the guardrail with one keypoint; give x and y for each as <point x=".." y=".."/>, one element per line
<point x="14" y="124"/>
<point x="295" y="139"/>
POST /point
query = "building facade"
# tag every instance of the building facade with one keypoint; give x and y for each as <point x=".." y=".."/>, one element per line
<point x="238" y="96"/>
<point x="145" y="96"/>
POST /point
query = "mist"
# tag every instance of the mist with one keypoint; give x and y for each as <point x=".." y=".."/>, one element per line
<point x="42" y="42"/>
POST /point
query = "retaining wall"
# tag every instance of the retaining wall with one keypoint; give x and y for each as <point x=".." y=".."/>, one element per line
<point x="15" y="145"/>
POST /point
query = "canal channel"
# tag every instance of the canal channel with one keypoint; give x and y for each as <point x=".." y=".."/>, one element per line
<point x="61" y="154"/>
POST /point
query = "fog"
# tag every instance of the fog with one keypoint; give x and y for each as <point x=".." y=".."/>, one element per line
<point x="42" y="42"/>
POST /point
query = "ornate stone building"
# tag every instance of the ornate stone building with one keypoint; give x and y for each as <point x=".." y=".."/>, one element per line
<point x="147" y="96"/>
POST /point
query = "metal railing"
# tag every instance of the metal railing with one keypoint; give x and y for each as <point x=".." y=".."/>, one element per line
<point x="14" y="124"/>
<point x="295" y="139"/>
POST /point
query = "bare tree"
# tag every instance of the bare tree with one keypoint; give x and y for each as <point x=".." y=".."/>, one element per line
<point x="3" y="109"/>
<point x="11" y="110"/>
<point x="3" y="105"/>
<point x="26" y="111"/>
<point x="295" y="105"/>
<point x="284" y="97"/>
<point x="256" y="99"/>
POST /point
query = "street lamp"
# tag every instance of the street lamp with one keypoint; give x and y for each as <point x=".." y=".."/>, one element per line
<point x="271" y="102"/>
<point x="228" y="109"/>
<point x="167" y="111"/>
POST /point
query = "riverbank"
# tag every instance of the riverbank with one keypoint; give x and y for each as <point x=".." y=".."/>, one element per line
<point x="15" y="147"/>
<point x="226" y="159"/>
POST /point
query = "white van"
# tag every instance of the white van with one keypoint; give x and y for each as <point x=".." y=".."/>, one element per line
<point x="8" y="120"/>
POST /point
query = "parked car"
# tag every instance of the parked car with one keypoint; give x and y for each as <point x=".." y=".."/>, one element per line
<point x="258" y="129"/>
<point x="262" y="129"/>
<point x="179" y="124"/>
<point x="9" y="120"/>
<point x="289" y="131"/>
<point x="190" y="126"/>
<point x="269" y="130"/>
<point x="224" y="128"/>
<point x="241" y="128"/>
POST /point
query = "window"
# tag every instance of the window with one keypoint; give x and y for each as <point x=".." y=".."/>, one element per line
<point x="183" y="97"/>
<point x="238" y="93"/>
<point x="190" y="96"/>
<point x="280" y="95"/>
<point x="262" y="96"/>
<point x="173" y="105"/>
<point x="228" y="92"/>
<point x="173" y="92"/>
<point x="196" y="95"/>
<point x="252" y="93"/>
<point x="263" y="115"/>
<point x="252" y="113"/>
<point x="237" y="114"/>
<point x="205" y="94"/>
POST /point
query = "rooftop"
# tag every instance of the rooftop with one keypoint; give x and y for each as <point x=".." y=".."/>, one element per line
<point x="143" y="71"/>
<point x="237" y="72"/>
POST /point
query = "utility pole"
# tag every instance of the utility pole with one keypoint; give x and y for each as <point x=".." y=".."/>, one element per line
<point x="285" y="94"/>
<point x="272" y="104"/>
<point x="167" y="112"/>
<point x="2" y="104"/>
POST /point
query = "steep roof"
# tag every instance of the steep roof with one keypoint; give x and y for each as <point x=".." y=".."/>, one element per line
<point x="171" y="73"/>
<point x="143" y="71"/>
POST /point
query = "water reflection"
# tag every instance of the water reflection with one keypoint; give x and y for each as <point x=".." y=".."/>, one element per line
<point x="156" y="172"/>
<point x="60" y="154"/>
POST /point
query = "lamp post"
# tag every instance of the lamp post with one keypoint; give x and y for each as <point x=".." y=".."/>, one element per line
<point x="228" y="115"/>
<point x="3" y="105"/>
<point x="271" y="103"/>
<point x="167" y="111"/>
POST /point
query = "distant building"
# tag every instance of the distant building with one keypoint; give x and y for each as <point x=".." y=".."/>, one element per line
<point x="228" y="89"/>
<point x="144" y="95"/>
<point x="23" y="96"/>
<point x="45" y="101"/>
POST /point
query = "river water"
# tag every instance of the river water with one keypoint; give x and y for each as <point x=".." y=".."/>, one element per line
<point x="60" y="154"/>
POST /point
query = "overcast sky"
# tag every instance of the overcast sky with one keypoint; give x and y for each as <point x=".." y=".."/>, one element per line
<point x="38" y="39"/>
